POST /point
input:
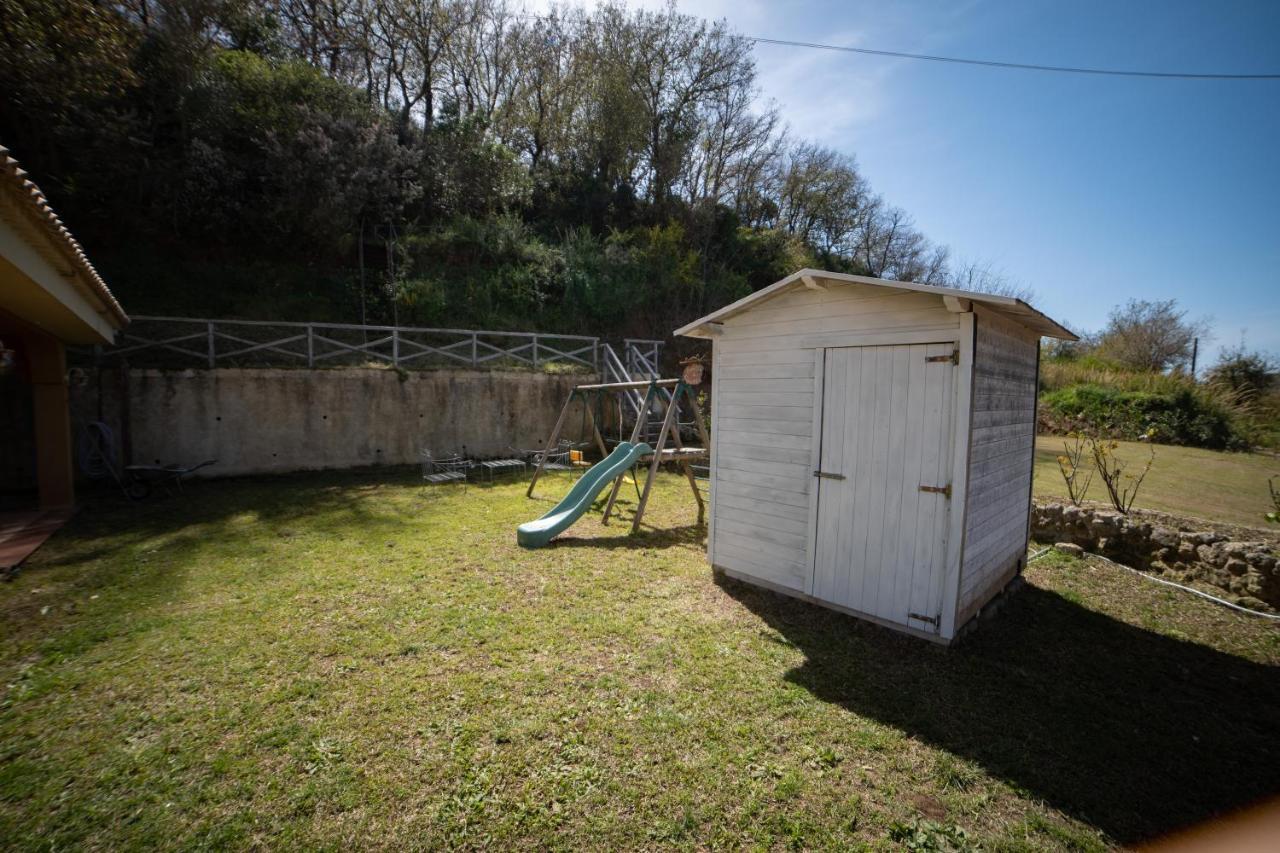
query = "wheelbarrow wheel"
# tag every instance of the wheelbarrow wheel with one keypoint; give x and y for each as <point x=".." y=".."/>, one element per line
<point x="139" y="489"/>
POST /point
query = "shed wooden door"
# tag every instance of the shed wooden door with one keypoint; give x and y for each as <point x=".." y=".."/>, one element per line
<point x="886" y="429"/>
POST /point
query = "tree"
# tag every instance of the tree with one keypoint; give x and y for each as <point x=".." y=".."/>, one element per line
<point x="621" y="155"/>
<point x="1151" y="335"/>
<point x="982" y="277"/>
<point x="1246" y="372"/>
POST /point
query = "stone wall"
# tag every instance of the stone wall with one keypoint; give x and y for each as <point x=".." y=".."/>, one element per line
<point x="277" y="420"/>
<point x="1247" y="571"/>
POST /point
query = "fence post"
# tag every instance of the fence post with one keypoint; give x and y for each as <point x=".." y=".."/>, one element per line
<point x="395" y="347"/>
<point x="535" y="352"/>
<point x="212" y="351"/>
<point x="311" y="343"/>
<point x="474" y="354"/>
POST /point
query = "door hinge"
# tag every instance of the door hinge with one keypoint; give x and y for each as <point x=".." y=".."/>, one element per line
<point x="824" y="475"/>
<point x="954" y="358"/>
<point x="935" y="621"/>
<point x="941" y="490"/>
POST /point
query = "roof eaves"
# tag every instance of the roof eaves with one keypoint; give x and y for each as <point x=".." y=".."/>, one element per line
<point x="1046" y="324"/>
<point x="41" y="213"/>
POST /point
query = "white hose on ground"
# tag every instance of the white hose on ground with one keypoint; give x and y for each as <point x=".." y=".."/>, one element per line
<point x="1191" y="590"/>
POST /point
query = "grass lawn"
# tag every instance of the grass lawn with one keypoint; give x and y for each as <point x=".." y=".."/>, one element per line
<point x="329" y="659"/>
<point x="1184" y="481"/>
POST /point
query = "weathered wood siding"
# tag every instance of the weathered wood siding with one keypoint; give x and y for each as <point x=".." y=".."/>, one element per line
<point x="1001" y="447"/>
<point x="763" y="417"/>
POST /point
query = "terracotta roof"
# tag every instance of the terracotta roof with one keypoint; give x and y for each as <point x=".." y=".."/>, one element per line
<point x="14" y="179"/>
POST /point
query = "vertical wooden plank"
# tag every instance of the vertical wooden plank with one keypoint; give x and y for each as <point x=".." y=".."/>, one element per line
<point x="855" y="513"/>
<point x="831" y="455"/>
<point x="946" y="454"/>
<point x="963" y="420"/>
<point x="879" y="479"/>
<point x="815" y="456"/>
<point x="715" y="443"/>
<point x="927" y="547"/>
<point x="890" y="568"/>
<point x="846" y="540"/>
<point x="909" y="505"/>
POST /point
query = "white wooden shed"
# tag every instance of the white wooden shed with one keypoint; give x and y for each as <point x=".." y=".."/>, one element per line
<point x="872" y="444"/>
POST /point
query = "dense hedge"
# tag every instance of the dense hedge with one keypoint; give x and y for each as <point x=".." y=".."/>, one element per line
<point x="1182" y="416"/>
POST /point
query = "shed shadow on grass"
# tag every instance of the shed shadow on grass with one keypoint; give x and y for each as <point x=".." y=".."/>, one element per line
<point x="1126" y="729"/>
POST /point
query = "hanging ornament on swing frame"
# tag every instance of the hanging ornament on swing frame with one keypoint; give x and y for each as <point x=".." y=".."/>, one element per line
<point x="693" y="369"/>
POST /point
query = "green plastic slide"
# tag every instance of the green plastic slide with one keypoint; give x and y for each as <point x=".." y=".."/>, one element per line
<point x="535" y="534"/>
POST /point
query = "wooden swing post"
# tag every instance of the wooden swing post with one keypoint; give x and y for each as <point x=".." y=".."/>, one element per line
<point x="551" y="442"/>
<point x="635" y="434"/>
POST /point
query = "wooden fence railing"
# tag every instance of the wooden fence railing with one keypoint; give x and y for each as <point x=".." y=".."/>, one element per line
<point x="185" y="341"/>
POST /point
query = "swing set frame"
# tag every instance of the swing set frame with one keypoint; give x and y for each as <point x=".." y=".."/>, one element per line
<point x="672" y="390"/>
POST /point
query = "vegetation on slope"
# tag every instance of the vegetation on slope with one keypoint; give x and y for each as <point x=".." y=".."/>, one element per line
<point x="446" y="162"/>
<point x="1136" y="379"/>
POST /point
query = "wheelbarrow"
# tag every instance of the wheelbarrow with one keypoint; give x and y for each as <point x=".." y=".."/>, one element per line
<point x="141" y="480"/>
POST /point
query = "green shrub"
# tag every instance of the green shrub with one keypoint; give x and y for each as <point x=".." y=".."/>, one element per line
<point x="1185" y="415"/>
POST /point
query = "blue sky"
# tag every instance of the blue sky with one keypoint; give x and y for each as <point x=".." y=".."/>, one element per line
<point x="1090" y="190"/>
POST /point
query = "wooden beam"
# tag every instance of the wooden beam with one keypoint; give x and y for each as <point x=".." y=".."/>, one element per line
<point x="697" y="495"/>
<point x="595" y="428"/>
<point x="622" y="386"/>
<point x="957" y="305"/>
<point x="657" y="460"/>
<point x="635" y="434"/>
<point x="812" y="283"/>
<point x="551" y="442"/>
<point x="697" y="418"/>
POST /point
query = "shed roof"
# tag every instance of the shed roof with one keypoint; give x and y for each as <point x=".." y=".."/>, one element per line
<point x="1014" y="309"/>
<point x="41" y="219"/>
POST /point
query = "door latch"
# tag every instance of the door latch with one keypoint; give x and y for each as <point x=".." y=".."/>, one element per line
<point x="826" y="476"/>
<point x="941" y="490"/>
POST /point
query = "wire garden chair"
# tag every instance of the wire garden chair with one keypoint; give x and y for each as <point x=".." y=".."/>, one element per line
<point x="449" y="468"/>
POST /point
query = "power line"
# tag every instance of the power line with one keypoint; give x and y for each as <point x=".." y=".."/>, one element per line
<point x="990" y="63"/>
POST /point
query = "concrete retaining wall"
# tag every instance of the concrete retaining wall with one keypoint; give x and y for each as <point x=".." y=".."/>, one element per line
<point x="272" y="420"/>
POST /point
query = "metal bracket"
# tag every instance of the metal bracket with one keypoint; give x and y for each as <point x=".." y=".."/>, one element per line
<point x="935" y="621"/>
<point x="954" y="358"/>
<point x="941" y="490"/>
<point x="824" y="475"/>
